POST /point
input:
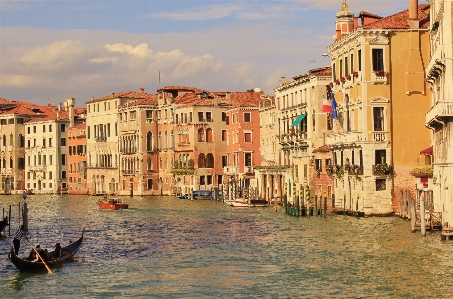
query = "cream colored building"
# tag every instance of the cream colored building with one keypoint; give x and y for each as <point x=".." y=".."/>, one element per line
<point x="103" y="157"/>
<point x="378" y="84"/>
<point x="439" y="72"/>
<point x="46" y="150"/>
<point x="301" y="127"/>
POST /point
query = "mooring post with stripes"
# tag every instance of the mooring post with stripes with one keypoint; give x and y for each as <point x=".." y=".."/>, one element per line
<point x="325" y="204"/>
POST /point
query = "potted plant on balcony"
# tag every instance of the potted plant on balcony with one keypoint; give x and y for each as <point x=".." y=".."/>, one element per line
<point x="355" y="74"/>
<point x="331" y="84"/>
<point x="337" y="82"/>
<point x="348" y="76"/>
<point x="330" y="170"/>
<point x="379" y="72"/>
<point x="382" y="169"/>
<point x="343" y="79"/>
<point x="339" y="172"/>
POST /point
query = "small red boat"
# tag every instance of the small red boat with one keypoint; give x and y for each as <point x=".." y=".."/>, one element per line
<point x="112" y="204"/>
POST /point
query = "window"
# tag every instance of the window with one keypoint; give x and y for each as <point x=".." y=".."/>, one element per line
<point x="201" y="161"/>
<point x="44" y="128"/>
<point x="201" y="135"/>
<point x="208" y="116"/>
<point x="50" y="128"/>
<point x="224" y="135"/>
<point x="50" y="175"/>
<point x="224" y="161"/>
<point x="209" y="161"/>
<point x="380" y="184"/>
<point x="247" y="137"/>
<point x="318" y="165"/>
<point x="341" y="68"/>
<point x="224" y="116"/>
<point x="380" y="157"/>
<point x="378" y="59"/>
<point x="63" y="159"/>
<point x="352" y="63"/>
<point x="34" y="129"/>
<point x="63" y="141"/>
<point x="247" y="117"/>
<point x="359" y="59"/>
<point x="378" y="118"/>
<point x="209" y="135"/>
<point x="63" y="127"/>
<point x="346" y="66"/>
<point x="202" y="180"/>
<point x="200" y="116"/>
<point x="50" y="141"/>
<point x="247" y="159"/>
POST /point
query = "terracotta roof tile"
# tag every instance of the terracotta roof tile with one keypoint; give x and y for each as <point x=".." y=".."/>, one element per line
<point x="399" y="20"/>
<point x="124" y="94"/>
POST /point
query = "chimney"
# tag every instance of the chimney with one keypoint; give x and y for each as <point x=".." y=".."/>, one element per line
<point x="216" y="101"/>
<point x="142" y="90"/>
<point x="70" y="105"/>
<point x="282" y="80"/>
<point x="228" y="95"/>
<point x="59" y="106"/>
<point x="356" y="22"/>
<point x="112" y="95"/>
<point x="413" y="22"/>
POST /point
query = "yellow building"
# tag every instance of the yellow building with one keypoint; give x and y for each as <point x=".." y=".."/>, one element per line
<point x="439" y="73"/>
<point x="378" y="68"/>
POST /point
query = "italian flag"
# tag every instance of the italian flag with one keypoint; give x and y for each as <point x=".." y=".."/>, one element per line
<point x="326" y="107"/>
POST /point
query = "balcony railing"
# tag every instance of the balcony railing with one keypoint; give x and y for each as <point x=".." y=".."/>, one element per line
<point x="380" y="136"/>
<point x="128" y="151"/>
<point x="248" y="169"/>
<point x="440" y="110"/>
<point x="380" y="77"/>
<point x="230" y="170"/>
<point x="382" y="169"/>
<point x="100" y="138"/>
<point x="99" y="165"/>
<point x="7" y="171"/>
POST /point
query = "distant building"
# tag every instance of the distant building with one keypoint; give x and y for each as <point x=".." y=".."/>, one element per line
<point x="77" y="159"/>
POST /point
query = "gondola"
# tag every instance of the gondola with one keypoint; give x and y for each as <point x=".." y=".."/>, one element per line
<point x="67" y="254"/>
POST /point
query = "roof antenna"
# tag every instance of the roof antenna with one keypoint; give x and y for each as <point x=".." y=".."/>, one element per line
<point x="159" y="79"/>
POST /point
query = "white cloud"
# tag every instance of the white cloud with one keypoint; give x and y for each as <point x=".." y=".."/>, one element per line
<point x="209" y="12"/>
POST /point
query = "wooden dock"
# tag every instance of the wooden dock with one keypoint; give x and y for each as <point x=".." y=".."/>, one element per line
<point x="447" y="233"/>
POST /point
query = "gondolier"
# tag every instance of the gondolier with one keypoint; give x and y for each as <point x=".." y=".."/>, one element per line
<point x="17" y="237"/>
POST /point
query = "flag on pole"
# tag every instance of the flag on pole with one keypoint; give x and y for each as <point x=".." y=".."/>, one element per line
<point x="334" y="106"/>
<point x="326" y="107"/>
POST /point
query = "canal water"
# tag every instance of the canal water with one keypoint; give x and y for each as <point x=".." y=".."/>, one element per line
<point x="164" y="247"/>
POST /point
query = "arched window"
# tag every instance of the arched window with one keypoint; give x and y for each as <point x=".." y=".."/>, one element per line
<point x="148" y="164"/>
<point x="200" y="135"/>
<point x="314" y="120"/>
<point x="4" y="140"/>
<point x="149" y="141"/>
<point x="160" y="140"/>
<point x="201" y="161"/>
<point x="209" y="135"/>
<point x="209" y="161"/>
<point x="11" y="143"/>
<point x="172" y="139"/>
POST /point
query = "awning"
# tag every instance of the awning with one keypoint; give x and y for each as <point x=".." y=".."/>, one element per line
<point x="428" y="151"/>
<point x="298" y="120"/>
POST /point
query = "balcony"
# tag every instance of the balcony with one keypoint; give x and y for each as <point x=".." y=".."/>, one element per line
<point x="230" y="170"/>
<point x="379" y="77"/>
<point x="380" y="136"/>
<point x="7" y="171"/>
<point x="381" y="169"/>
<point x="248" y="169"/>
<point x="102" y="166"/>
<point x="439" y="113"/>
<point x="128" y="172"/>
<point x="128" y="151"/>
<point x="344" y="138"/>
<point x="37" y="168"/>
<point x="100" y="138"/>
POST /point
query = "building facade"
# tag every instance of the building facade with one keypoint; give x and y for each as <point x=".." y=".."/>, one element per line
<point x="439" y="73"/>
<point x="379" y="90"/>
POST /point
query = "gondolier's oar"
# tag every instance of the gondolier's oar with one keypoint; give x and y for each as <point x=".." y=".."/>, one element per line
<point x="39" y="256"/>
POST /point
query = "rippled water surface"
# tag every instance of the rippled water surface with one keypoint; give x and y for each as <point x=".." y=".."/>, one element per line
<point x="163" y="247"/>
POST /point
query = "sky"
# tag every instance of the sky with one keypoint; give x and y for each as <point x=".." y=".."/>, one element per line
<point x="51" y="50"/>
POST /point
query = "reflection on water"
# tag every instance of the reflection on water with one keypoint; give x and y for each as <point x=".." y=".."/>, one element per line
<point x="171" y="248"/>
